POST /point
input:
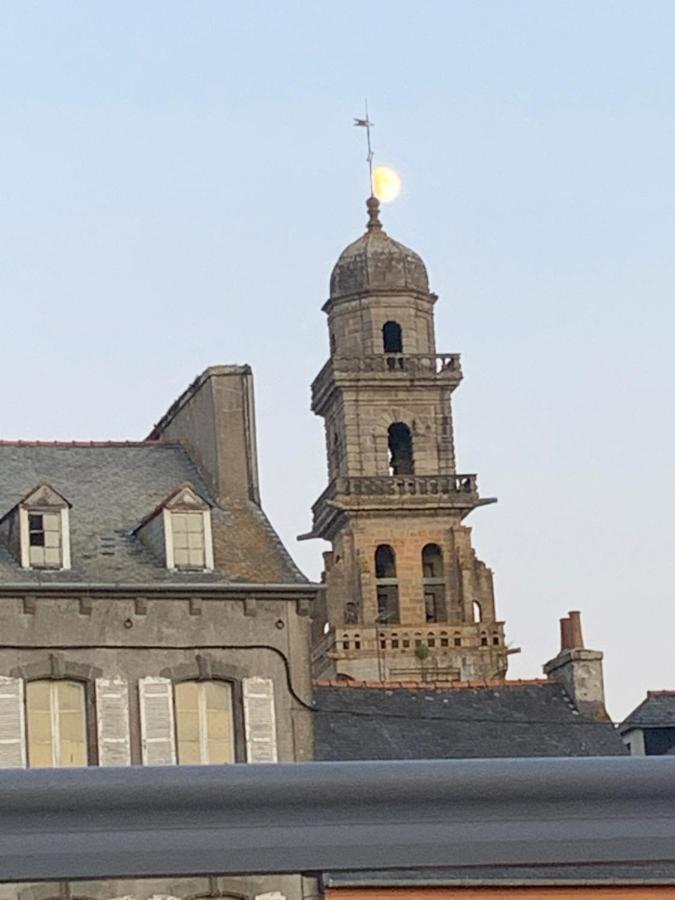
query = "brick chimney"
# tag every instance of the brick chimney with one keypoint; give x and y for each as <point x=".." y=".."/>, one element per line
<point x="579" y="670"/>
<point x="214" y="419"/>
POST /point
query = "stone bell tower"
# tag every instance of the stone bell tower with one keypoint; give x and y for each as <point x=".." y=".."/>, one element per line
<point x="406" y="597"/>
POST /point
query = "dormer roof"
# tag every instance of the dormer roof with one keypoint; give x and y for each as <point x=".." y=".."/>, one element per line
<point x="184" y="498"/>
<point x="42" y="496"/>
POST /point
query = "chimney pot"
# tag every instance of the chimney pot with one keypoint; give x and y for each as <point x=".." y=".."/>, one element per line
<point x="576" y="636"/>
<point x="565" y="634"/>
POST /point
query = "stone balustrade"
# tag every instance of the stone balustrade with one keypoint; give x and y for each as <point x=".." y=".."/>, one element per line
<point x="399" y="486"/>
<point x="405" y="485"/>
<point x="412" y="365"/>
<point x="403" y="639"/>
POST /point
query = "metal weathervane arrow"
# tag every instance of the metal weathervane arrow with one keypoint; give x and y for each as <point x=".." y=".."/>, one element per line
<point x="385" y="183"/>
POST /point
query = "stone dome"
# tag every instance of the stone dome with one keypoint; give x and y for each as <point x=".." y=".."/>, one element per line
<point x="376" y="262"/>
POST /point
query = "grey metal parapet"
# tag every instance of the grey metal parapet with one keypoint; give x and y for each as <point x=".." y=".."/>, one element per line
<point x="316" y="817"/>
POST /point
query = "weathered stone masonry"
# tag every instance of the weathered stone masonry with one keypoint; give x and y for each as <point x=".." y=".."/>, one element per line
<point x="406" y="596"/>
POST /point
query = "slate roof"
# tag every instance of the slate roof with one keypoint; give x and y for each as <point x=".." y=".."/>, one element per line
<point x="510" y="876"/>
<point x="480" y="720"/>
<point x="657" y="710"/>
<point x="112" y="487"/>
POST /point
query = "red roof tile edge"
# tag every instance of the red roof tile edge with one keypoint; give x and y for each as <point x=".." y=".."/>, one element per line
<point x="431" y="685"/>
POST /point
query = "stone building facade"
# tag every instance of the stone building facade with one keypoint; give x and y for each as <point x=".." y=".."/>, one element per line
<point x="149" y="614"/>
<point x="406" y="595"/>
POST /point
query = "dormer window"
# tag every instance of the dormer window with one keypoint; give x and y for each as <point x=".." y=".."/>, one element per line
<point x="44" y="540"/>
<point x="179" y="531"/>
<point x="188" y="540"/>
<point x="37" y="529"/>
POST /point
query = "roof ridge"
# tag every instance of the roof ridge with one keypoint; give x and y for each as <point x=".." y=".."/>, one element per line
<point x="432" y="685"/>
<point x="154" y="443"/>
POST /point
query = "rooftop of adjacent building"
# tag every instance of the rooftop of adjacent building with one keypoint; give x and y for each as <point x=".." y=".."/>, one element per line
<point x="446" y="720"/>
<point x="510" y="877"/>
<point x="657" y="710"/>
<point x="112" y="486"/>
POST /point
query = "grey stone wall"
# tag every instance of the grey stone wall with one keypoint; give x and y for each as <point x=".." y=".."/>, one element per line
<point x="131" y="638"/>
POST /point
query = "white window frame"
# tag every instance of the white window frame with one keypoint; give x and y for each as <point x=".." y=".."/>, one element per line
<point x="208" y="538"/>
<point x="24" y="534"/>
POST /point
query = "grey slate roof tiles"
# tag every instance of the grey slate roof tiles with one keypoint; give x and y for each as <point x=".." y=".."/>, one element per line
<point x="112" y="487"/>
<point x="497" y="720"/>
<point x="657" y="710"/>
<point x="510" y="875"/>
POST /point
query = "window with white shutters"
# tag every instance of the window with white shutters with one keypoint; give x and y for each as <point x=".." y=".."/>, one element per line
<point x="157" y="721"/>
<point x="260" y="720"/>
<point x="56" y="723"/>
<point x="12" y="729"/>
<point x="112" y="719"/>
<point x="204" y="722"/>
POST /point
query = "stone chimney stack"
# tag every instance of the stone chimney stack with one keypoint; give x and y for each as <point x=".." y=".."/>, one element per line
<point x="214" y="419"/>
<point x="579" y="670"/>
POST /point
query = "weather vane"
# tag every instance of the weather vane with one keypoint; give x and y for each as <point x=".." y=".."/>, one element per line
<point x="385" y="183"/>
<point x="367" y="124"/>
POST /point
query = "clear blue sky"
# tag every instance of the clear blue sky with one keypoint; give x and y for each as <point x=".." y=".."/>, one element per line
<point x="177" y="180"/>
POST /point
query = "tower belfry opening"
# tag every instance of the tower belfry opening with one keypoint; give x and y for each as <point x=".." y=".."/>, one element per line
<point x="392" y="337"/>
<point x="400" y="443"/>
<point x="401" y="570"/>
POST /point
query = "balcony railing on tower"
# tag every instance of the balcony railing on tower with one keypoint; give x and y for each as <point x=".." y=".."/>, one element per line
<point x="411" y="365"/>
<point x="357" y="491"/>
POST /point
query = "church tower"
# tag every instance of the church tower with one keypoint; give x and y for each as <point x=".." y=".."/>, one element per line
<point x="406" y="597"/>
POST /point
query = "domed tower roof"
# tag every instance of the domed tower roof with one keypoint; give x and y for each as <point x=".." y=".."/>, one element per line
<point x="375" y="262"/>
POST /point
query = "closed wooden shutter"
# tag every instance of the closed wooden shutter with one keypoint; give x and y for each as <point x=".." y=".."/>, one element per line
<point x="157" y="729"/>
<point x="112" y="718"/>
<point x="261" y="729"/>
<point x="12" y="724"/>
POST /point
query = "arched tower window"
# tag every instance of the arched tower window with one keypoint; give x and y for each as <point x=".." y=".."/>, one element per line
<point x="392" y="337"/>
<point x="387" y="585"/>
<point x="351" y="613"/>
<point x="401" y="461"/>
<point x="433" y="579"/>
<point x="432" y="561"/>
